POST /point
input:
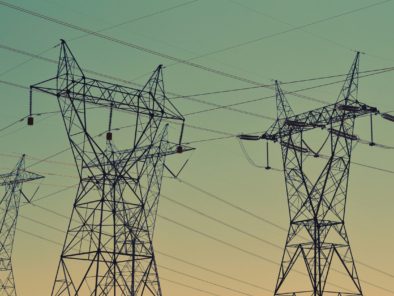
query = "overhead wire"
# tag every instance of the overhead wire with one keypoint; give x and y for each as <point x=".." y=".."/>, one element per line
<point x="225" y="135"/>
<point x="12" y="124"/>
<point x="229" y="106"/>
<point x="217" y="106"/>
<point x="59" y="244"/>
<point x="23" y="118"/>
<point x="208" y="236"/>
<point x="335" y="42"/>
<point x="40" y="54"/>
<point x="282" y="83"/>
<point x="158" y="251"/>
<point x="245" y="251"/>
<point x="225" y="243"/>
<point x="135" y="46"/>
<point x="118" y="41"/>
<point x="219" y="221"/>
<point x="220" y="199"/>
<point x="233" y="246"/>
<point x="385" y="1"/>
<point x="136" y="19"/>
<point x="188" y="286"/>
<point x="243" y="102"/>
<point x="237" y="229"/>
<point x="250" y="213"/>
<point x="164" y="254"/>
<point x="241" y="44"/>
<point x="246" y="7"/>
<point x="203" y="280"/>
<point x="293" y="28"/>
<point x="214" y="272"/>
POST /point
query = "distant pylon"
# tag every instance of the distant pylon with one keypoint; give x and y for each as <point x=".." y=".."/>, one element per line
<point x="317" y="235"/>
<point x="9" y="209"/>
<point x="108" y="249"/>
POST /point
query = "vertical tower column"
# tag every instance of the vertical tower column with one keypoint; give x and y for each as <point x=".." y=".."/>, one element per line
<point x="9" y="210"/>
<point x="317" y="246"/>
<point x="108" y="249"/>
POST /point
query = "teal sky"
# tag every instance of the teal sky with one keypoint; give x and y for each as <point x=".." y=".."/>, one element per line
<point x="326" y="47"/>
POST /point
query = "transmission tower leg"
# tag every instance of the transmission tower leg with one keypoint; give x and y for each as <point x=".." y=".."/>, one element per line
<point x="108" y="247"/>
<point x="9" y="210"/>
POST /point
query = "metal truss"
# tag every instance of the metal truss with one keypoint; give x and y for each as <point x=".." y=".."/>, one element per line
<point x="317" y="235"/>
<point x="108" y="248"/>
<point x="9" y="210"/>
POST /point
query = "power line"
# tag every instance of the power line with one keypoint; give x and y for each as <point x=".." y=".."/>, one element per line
<point x="204" y="281"/>
<point x="55" y="193"/>
<point x="216" y="106"/>
<point x="138" y="18"/>
<point x="164" y="267"/>
<point x="213" y="238"/>
<point x="26" y="61"/>
<point x="121" y="42"/>
<point x="204" y="234"/>
<point x="241" y="44"/>
<point x="24" y="126"/>
<point x="23" y="118"/>
<point x="338" y="44"/>
<point x="59" y="244"/>
<point x="224" y="201"/>
<point x="135" y="46"/>
<point x="383" y="70"/>
<point x="161" y="253"/>
<point x="221" y="222"/>
<point x="225" y="224"/>
<point x="231" y="245"/>
<point x="224" y="242"/>
<point x="251" y="253"/>
<point x="12" y="124"/>
<point x="229" y="107"/>
<point x="224" y="135"/>
<point x="214" y="272"/>
<point x="212" y="218"/>
<point x="188" y="286"/>
<point x="209" y="140"/>
<point x="288" y="24"/>
<point x="282" y="83"/>
<point x="250" y="213"/>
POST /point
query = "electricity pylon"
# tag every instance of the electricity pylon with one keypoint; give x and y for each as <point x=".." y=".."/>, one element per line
<point x="108" y="247"/>
<point x="317" y="236"/>
<point x="9" y="210"/>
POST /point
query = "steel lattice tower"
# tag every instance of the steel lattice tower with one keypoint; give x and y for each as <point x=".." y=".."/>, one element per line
<point x="317" y="235"/>
<point x="108" y="246"/>
<point x="9" y="210"/>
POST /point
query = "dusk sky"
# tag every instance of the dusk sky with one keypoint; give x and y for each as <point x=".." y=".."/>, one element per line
<point x="222" y="225"/>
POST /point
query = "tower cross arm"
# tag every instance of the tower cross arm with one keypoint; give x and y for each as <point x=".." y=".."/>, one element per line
<point x="109" y="95"/>
<point x="317" y="118"/>
<point x="138" y="154"/>
<point x="18" y="177"/>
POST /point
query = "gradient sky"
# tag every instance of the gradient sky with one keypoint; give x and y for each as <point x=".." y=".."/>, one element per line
<point x="319" y="49"/>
